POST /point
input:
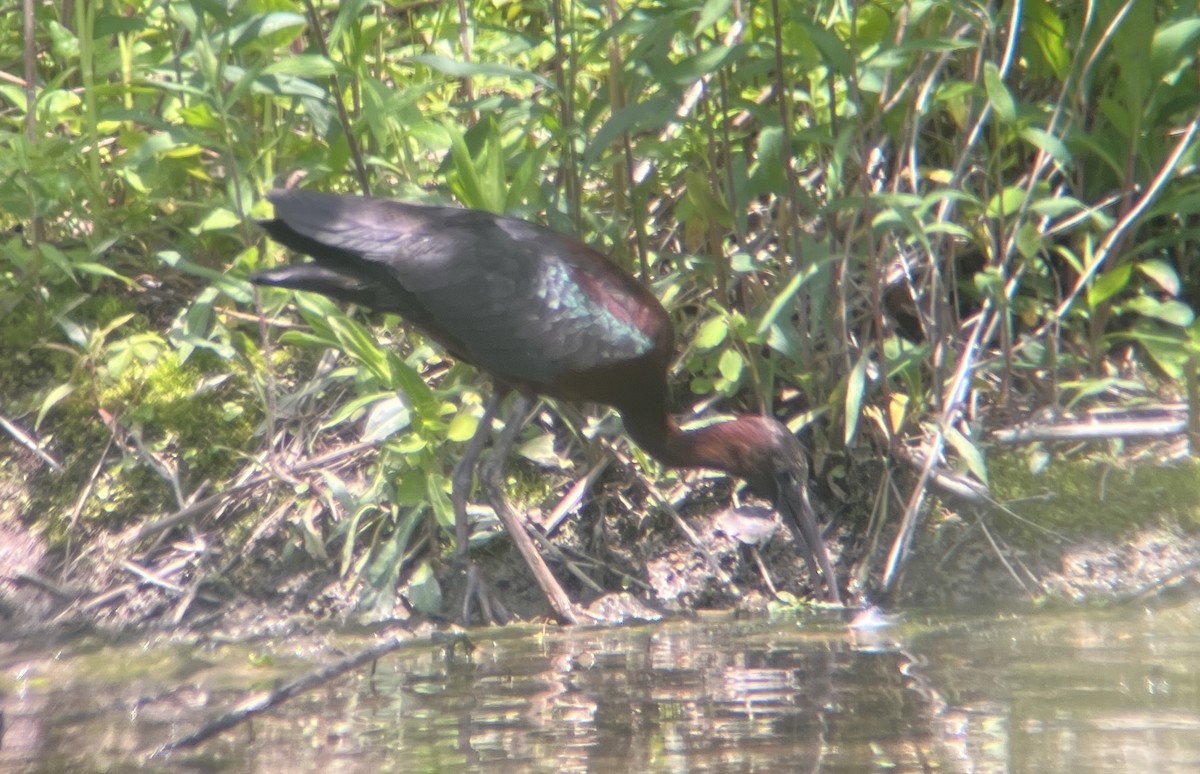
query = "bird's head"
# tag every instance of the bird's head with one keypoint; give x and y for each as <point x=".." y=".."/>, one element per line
<point x="768" y="457"/>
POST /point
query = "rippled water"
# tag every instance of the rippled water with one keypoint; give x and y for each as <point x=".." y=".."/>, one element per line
<point x="1098" y="691"/>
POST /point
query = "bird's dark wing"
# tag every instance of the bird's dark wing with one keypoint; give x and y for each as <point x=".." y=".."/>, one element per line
<point x="520" y="301"/>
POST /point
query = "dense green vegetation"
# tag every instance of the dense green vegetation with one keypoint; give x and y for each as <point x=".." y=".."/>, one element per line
<point x="897" y="224"/>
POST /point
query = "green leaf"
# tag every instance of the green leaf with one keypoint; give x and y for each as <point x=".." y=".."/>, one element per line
<point x="1171" y="312"/>
<point x="479" y="181"/>
<point x="52" y="399"/>
<point x="833" y="50"/>
<point x="1108" y="284"/>
<point x="424" y="592"/>
<point x="264" y="25"/>
<point x="1046" y="28"/>
<point x="711" y="333"/>
<point x="709" y="206"/>
<point x="767" y="173"/>
<point x="731" y="364"/>
<point x="1051" y="145"/>
<point x="998" y="95"/>
<point x="712" y="10"/>
<point x="460" y="69"/>
<point x="407" y="380"/>
<point x="1174" y="45"/>
<point x="990" y="284"/>
<point x="462" y="427"/>
<point x="382" y="572"/>
<point x="969" y="453"/>
<point x="649" y="115"/>
<point x="338" y="490"/>
<point x="348" y="12"/>
<point x="301" y="66"/>
<point x="1162" y="274"/>
<point x="540" y="451"/>
<point x="1029" y="240"/>
<point x="443" y="509"/>
<point x="1168" y="347"/>
<point x="1131" y="42"/>
<point x="856" y="387"/>
<point x="386" y="418"/>
<point x="100" y="270"/>
<point x="1007" y="203"/>
<point x="693" y="68"/>
<point x="786" y="295"/>
<point x="218" y="219"/>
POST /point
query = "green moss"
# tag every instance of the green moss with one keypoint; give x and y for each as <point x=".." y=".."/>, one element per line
<point x="178" y="412"/>
<point x="1093" y="496"/>
<point x="196" y="418"/>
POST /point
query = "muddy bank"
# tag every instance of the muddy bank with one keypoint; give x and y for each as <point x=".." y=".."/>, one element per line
<point x="206" y="579"/>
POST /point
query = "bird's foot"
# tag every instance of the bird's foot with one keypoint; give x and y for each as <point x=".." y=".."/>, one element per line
<point x="491" y="609"/>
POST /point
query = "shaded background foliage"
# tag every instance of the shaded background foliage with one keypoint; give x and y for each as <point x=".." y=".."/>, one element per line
<point x="898" y="224"/>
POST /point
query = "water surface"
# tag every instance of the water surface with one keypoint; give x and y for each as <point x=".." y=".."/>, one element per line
<point x="1078" y="690"/>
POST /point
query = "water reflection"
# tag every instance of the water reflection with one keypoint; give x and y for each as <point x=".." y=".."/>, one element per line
<point x="1091" y="691"/>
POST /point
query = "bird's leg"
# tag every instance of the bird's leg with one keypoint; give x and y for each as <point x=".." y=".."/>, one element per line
<point x="461" y="482"/>
<point x="491" y="476"/>
<point x="464" y="476"/>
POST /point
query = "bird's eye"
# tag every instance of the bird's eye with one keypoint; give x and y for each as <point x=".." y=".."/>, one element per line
<point x="785" y="479"/>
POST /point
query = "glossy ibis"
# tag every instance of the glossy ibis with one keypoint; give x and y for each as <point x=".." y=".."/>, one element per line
<point x="545" y="315"/>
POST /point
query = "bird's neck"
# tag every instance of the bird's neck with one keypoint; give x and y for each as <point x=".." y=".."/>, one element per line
<point x="659" y="435"/>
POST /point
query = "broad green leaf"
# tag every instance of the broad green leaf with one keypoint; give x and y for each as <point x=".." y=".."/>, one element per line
<point x="712" y="10"/>
<point x="767" y="172"/>
<point x="460" y="69"/>
<point x="1006" y="204"/>
<point x="1174" y="45"/>
<point x="382" y="572"/>
<point x="990" y="283"/>
<point x="540" y="450"/>
<point x="1171" y="311"/>
<point x="731" y="364"/>
<point x="969" y="452"/>
<point x="998" y="95"/>
<point x="386" y="418"/>
<point x="1131" y="42"/>
<point x="711" y="333"/>
<point x="218" y="219"/>
<point x="1053" y="147"/>
<point x="100" y="270"/>
<point x="51" y="400"/>
<point x="347" y="13"/>
<point x="1041" y="23"/>
<point x="1163" y="274"/>
<point x="1029" y="240"/>
<point x="833" y="50"/>
<point x="443" y="509"/>
<point x="424" y="592"/>
<point x="856" y="387"/>
<point x="652" y="114"/>
<point x="301" y="66"/>
<point x="1109" y="283"/>
<point x="693" y="68"/>
<point x="786" y="296"/>
<point x="462" y="427"/>
<point x="339" y="491"/>
<point x="708" y="205"/>
<point x="1168" y="347"/>
<point x="264" y="25"/>
<point x="407" y="380"/>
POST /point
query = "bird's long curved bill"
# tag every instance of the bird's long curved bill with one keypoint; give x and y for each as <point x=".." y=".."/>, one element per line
<point x="799" y="513"/>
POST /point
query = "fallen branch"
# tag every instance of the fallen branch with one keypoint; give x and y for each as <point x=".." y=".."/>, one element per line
<point x="261" y="702"/>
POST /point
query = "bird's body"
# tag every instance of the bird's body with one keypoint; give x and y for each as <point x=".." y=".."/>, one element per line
<point x="539" y="311"/>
